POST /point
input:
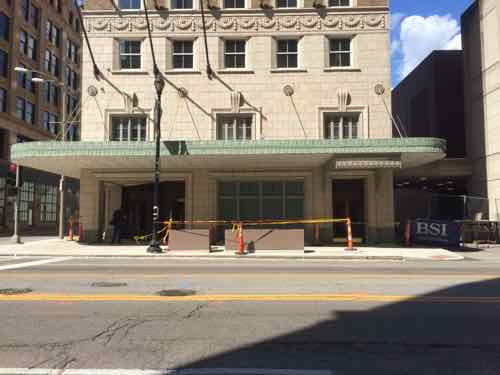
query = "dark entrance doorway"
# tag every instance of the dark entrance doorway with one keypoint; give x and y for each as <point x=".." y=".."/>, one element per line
<point x="137" y="202"/>
<point x="349" y="202"/>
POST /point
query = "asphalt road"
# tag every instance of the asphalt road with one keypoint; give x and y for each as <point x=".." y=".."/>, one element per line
<point x="244" y="315"/>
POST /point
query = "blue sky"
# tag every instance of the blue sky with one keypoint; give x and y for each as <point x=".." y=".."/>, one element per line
<point x="421" y="26"/>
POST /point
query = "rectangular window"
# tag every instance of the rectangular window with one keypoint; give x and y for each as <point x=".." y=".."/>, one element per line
<point x="338" y="3"/>
<point x="287" y="55"/>
<point x="51" y="63"/>
<point x="128" y="129"/>
<point x="23" y="42"/>
<point x="25" y="80"/>
<point x="234" y="4"/>
<point x="234" y="53"/>
<point x="182" y="56"/>
<point x="53" y="33"/>
<point x="3" y="100"/>
<point x="4" y="26"/>
<point x="26" y="204"/>
<point x="51" y="123"/>
<point x="286" y="3"/>
<point x="341" y="126"/>
<point x="25" y="9"/>
<point x="182" y="4"/>
<point x="27" y="45"/>
<point x="231" y="127"/>
<point x="4" y="63"/>
<point x="34" y="16"/>
<point x="129" y="4"/>
<point x="71" y="104"/>
<point x="25" y="110"/>
<point x="340" y="52"/>
<point x="51" y="93"/>
<point x="261" y="200"/>
<point x="48" y="203"/>
<point x="130" y="54"/>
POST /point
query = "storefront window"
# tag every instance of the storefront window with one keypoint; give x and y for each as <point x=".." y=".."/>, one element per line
<point x="48" y="203"/>
<point x="261" y="200"/>
<point x="26" y="206"/>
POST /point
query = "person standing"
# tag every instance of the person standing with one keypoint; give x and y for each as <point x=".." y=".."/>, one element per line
<point x="118" y="223"/>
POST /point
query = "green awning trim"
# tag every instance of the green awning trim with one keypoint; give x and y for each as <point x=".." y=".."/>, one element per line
<point x="212" y="148"/>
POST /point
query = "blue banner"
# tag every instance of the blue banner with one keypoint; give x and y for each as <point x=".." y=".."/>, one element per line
<point x="434" y="232"/>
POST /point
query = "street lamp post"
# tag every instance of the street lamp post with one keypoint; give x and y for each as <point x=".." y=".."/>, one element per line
<point x="154" y="246"/>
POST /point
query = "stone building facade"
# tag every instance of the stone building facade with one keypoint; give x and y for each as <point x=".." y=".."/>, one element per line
<point x="40" y="36"/>
<point x="481" y="45"/>
<point x="294" y="124"/>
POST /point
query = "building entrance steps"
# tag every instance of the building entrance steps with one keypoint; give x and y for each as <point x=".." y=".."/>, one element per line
<point x="57" y="247"/>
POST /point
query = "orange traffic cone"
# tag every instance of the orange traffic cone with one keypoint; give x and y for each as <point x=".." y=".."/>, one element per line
<point x="349" y="236"/>
<point x="408" y="233"/>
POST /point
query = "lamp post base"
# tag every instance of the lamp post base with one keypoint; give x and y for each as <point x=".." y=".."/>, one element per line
<point x="16" y="239"/>
<point x="154" y="247"/>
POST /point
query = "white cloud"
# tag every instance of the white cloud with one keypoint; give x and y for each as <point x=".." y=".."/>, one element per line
<point x="419" y="36"/>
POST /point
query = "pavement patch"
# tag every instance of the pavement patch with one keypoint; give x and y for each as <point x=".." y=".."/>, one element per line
<point x="176" y="292"/>
<point x="107" y="284"/>
<point x="15" y="291"/>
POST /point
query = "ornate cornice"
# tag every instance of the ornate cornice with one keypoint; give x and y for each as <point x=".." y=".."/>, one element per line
<point x="243" y="24"/>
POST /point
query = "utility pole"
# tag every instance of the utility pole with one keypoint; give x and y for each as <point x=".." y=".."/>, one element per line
<point x="61" y="183"/>
<point x="16" y="237"/>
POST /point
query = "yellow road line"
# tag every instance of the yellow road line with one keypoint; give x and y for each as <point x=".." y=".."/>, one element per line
<point x="361" y="297"/>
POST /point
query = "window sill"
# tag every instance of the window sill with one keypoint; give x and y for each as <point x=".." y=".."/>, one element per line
<point x="347" y="69"/>
<point x="235" y="71"/>
<point x="288" y="70"/>
<point x="130" y="71"/>
<point x="182" y="71"/>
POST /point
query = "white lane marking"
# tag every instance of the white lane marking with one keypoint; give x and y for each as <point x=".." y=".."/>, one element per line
<point x="215" y="371"/>
<point x="32" y="263"/>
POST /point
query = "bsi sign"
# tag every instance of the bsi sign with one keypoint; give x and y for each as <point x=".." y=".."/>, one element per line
<point x="433" y="232"/>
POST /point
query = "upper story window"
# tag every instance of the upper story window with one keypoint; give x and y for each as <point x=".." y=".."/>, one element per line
<point x="30" y="13"/>
<point x="234" y="53"/>
<point x="129" y="4"/>
<point x="130" y="54"/>
<point x="3" y="100"/>
<point x="27" y="45"/>
<point x="128" y="129"/>
<point x="51" y="63"/>
<point x="234" y="127"/>
<point x="4" y="63"/>
<point x="234" y="4"/>
<point x="287" y="53"/>
<point x="341" y="125"/>
<point x="340" y="52"/>
<point x="51" y="122"/>
<point x="25" y="81"/>
<point x="25" y="110"/>
<point x="4" y="26"/>
<point x="71" y="78"/>
<point x="53" y="33"/>
<point x="182" y="4"/>
<point x="286" y="3"/>
<point x="72" y="51"/>
<point x="182" y="56"/>
<point x="51" y="93"/>
<point x="71" y="104"/>
<point x="338" y="3"/>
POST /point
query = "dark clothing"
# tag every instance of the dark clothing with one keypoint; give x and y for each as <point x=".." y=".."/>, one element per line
<point x="118" y="222"/>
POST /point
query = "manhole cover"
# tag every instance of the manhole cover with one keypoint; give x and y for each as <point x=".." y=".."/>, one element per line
<point x="13" y="291"/>
<point x="176" y="292"/>
<point x="107" y="284"/>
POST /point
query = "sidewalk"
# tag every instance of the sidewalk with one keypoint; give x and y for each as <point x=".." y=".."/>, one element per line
<point x="57" y="247"/>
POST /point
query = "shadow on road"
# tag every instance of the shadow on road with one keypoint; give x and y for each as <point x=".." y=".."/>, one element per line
<point x="451" y="331"/>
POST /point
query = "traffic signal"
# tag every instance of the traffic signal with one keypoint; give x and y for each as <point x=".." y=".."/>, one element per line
<point x="14" y="179"/>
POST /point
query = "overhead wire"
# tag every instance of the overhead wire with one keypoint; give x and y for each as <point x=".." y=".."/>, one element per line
<point x="210" y="71"/>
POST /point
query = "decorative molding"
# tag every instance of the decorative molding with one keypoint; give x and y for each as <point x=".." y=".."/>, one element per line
<point x="367" y="163"/>
<point x="231" y="23"/>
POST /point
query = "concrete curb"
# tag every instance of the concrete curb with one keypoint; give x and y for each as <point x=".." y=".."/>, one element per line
<point x="260" y="257"/>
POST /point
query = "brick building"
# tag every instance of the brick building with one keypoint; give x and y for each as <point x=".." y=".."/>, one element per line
<point x="294" y="125"/>
<point x="37" y="36"/>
